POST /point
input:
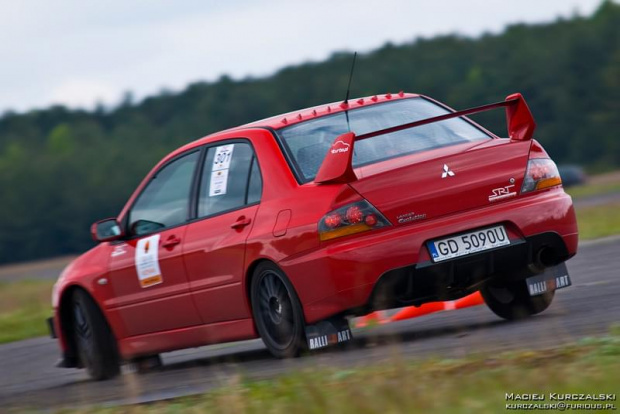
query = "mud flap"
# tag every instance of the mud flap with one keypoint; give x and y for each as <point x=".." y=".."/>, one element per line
<point x="328" y="332"/>
<point x="50" y="327"/>
<point x="553" y="278"/>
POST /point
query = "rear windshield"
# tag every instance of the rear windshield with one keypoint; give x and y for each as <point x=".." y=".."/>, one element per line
<point x="307" y="143"/>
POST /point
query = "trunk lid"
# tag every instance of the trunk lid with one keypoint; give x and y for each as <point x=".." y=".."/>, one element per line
<point x="443" y="181"/>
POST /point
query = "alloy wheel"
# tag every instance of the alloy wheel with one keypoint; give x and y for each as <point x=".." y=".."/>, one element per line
<point x="276" y="310"/>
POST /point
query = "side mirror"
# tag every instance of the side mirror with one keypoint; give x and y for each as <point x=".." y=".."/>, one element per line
<point x="106" y="230"/>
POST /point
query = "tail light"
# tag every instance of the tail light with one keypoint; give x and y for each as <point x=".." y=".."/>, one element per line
<point x="350" y="219"/>
<point x="541" y="173"/>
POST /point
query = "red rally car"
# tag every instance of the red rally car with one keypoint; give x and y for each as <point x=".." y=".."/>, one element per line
<point x="284" y="227"/>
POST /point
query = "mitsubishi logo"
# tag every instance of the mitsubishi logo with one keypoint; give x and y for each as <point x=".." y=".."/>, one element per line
<point x="447" y="172"/>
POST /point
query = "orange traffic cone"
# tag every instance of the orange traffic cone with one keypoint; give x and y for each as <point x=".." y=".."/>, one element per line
<point x="374" y="317"/>
<point x="474" y="299"/>
<point x="414" y="312"/>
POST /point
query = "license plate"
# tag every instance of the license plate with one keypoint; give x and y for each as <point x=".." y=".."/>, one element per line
<point x="467" y="243"/>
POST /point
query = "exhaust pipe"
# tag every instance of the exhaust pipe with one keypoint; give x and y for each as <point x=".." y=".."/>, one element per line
<point x="543" y="258"/>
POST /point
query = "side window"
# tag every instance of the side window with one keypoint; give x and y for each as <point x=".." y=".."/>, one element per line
<point x="164" y="202"/>
<point x="230" y="179"/>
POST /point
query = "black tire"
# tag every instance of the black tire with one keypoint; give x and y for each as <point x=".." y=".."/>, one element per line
<point x="277" y="311"/>
<point x="95" y="343"/>
<point x="512" y="301"/>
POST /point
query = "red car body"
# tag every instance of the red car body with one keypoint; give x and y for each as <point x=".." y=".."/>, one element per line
<point x="207" y="263"/>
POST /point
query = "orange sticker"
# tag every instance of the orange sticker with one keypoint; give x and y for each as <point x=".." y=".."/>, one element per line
<point x="147" y="261"/>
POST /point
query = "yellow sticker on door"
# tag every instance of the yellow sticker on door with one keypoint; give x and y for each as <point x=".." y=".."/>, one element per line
<point x="147" y="261"/>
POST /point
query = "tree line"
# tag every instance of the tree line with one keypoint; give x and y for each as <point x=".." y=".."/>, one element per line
<point x="62" y="169"/>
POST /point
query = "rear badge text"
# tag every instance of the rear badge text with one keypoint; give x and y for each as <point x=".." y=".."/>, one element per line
<point x="407" y="217"/>
<point x="502" y="193"/>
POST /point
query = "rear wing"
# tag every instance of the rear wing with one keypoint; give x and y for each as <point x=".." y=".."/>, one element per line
<point x="337" y="166"/>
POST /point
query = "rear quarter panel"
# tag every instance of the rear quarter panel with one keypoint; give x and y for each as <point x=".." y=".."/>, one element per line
<point x="306" y="205"/>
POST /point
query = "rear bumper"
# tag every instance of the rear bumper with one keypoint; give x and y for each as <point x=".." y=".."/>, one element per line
<point x="453" y="279"/>
<point x="343" y="275"/>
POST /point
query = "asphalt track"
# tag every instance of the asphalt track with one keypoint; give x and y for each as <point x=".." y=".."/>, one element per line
<point x="588" y="308"/>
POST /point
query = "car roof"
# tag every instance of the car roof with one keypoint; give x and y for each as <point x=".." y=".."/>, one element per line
<point x="301" y="115"/>
<point x="296" y="117"/>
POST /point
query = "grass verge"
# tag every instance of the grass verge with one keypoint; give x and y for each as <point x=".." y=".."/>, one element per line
<point x="598" y="221"/>
<point x="24" y="306"/>
<point x="595" y="189"/>
<point x="477" y="384"/>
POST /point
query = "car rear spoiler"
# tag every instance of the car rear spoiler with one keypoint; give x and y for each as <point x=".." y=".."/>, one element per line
<point x="337" y="166"/>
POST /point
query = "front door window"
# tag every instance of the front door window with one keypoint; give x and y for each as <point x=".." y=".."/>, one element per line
<point x="164" y="202"/>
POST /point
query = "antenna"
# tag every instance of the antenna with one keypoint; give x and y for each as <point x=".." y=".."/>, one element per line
<point x="346" y="98"/>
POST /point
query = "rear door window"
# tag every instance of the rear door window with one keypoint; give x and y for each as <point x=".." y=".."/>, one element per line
<point x="230" y="179"/>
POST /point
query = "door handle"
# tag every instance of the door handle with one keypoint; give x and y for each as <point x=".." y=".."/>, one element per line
<point x="241" y="222"/>
<point x="171" y="242"/>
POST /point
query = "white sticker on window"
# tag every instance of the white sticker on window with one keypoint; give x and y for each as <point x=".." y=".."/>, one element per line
<point x="223" y="155"/>
<point x="219" y="171"/>
<point x="219" y="182"/>
<point x="147" y="261"/>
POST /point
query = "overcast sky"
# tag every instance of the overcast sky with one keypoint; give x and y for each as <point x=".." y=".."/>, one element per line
<point x="77" y="52"/>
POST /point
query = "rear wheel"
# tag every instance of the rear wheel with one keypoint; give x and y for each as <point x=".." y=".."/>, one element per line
<point x="95" y="343"/>
<point x="277" y="311"/>
<point x="512" y="300"/>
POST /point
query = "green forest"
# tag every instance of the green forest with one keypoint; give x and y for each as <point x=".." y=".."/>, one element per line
<point x="62" y="169"/>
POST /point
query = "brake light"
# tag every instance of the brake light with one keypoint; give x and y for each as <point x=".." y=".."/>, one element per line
<point x="541" y="173"/>
<point x="371" y="220"/>
<point x="350" y="219"/>
<point x="354" y="215"/>
<point x="333" y="220"/>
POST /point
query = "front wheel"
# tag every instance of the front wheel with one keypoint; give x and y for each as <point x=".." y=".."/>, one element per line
<point x="96" y="346"/>
<point x="512" y="300"/>
<point x="277" y="311"/>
